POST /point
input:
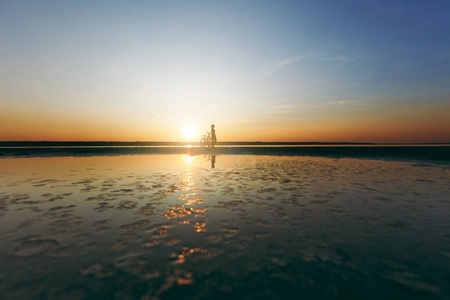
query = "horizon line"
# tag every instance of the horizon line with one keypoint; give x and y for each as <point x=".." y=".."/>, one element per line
<point x="218" y="143"/>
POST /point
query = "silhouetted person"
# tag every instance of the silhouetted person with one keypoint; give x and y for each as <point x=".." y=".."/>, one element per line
<point x="213" y="136"/>
<point x="213" y="161"/>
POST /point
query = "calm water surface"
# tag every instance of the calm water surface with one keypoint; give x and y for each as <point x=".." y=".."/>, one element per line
<point x="215" y="227"/>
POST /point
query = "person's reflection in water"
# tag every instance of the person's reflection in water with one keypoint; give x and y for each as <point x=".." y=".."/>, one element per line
<point x="213" y="161"/>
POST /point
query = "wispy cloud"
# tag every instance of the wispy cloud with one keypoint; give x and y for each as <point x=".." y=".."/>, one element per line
<point x="282" y="63"/>
<point x="344" y="102"/>
<point x="279" y="64"/>
<point x="349" y="105"/>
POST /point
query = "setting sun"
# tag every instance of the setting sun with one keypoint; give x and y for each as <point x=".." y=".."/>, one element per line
<point x="189" y="132"/>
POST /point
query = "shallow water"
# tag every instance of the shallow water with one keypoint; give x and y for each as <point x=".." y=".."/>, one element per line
<point x="252" y="227"/>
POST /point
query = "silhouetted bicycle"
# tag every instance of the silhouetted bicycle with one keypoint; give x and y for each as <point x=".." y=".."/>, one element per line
<point x="206" y="140"/>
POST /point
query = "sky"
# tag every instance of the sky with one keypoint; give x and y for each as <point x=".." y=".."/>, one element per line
<point x="294" y="71"/>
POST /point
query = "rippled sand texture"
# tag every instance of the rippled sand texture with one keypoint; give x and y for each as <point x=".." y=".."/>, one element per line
<point x="253" y="227"/>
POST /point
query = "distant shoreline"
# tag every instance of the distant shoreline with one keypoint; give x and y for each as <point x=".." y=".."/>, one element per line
<point x="438" y="154"/>
<point x="181" y="144"/>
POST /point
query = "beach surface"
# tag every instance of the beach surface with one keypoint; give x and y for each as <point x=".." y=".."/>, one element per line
<point x="209" y="225"/>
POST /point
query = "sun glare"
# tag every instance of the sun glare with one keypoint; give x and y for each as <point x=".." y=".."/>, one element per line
<point x="189" y="132"/>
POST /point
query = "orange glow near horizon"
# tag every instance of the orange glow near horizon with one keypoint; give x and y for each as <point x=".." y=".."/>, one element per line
<point x="413" y="126"/>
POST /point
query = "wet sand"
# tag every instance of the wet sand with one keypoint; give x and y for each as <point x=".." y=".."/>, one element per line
<point x="216" y="227"/>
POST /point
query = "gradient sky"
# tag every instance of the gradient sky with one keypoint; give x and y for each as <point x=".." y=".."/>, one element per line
<point x="356" y="71"/>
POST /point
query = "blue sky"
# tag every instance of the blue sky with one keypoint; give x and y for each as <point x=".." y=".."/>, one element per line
<point x="265" y="64"/>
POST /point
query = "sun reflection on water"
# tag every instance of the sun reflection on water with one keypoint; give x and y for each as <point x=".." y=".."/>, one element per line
<point x="189" y="158"/>
<point x="185" y="252"/>
<point x="189" y="210"/>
